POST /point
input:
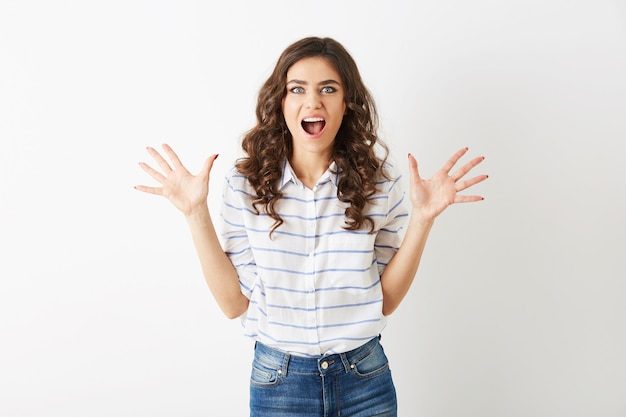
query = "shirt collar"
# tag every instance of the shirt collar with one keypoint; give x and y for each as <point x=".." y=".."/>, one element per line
<point x="290" y="176"/>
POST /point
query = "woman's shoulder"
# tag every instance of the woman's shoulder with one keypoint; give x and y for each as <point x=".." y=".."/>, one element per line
<point x="389" y="173"/>
<point x="237" y="181"/>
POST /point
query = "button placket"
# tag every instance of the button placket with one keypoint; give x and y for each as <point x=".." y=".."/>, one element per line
<point x="310" y="228"/>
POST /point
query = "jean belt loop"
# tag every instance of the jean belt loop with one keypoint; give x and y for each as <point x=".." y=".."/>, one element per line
<point x="346" y="362"/>
<point x="285" y="366"/>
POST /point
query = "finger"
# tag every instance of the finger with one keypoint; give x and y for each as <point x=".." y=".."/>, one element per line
<point x="159" y="159"/>
<point x="468" y="198"/>
<point x="413" y="169"/>
<point x="460" y="173"/>
<point x="173" y="157"/>
<point x="152" y="172"/>
<point x="454" y="159"/>
<point x="149" y="190"/>
<point x="463" y="185"/>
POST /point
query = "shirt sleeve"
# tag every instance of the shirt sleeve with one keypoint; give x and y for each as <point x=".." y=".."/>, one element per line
<point x="235" y="202"/>
<point x="389" y="236"/>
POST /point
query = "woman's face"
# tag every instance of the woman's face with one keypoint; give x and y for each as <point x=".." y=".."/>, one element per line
<point x="313" y="106"/>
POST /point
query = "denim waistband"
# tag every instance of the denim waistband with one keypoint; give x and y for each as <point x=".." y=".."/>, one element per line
<point x="285" y="362"/>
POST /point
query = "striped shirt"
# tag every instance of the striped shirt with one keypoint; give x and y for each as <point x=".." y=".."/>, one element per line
<point x="314" y="287"/>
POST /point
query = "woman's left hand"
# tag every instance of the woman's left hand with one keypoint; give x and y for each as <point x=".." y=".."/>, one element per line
<point x="431" y="197"/>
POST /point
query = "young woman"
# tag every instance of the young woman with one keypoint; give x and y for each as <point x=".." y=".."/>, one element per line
<point x="313" y="260"/>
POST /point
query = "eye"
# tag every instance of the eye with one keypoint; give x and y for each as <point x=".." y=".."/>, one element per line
<point x="328" y="90"/>
<point x="297" y="90"/>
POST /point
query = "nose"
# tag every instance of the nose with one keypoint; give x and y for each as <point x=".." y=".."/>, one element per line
<point x="313" y="101"/>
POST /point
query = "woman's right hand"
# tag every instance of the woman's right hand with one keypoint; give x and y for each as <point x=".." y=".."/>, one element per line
<point x="186" y="191"/>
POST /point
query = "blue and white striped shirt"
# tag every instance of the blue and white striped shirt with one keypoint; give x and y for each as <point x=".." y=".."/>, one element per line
<point x="314" y="287"/>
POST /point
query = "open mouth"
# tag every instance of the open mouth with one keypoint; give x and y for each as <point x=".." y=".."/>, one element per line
<point x="313" y="125"/>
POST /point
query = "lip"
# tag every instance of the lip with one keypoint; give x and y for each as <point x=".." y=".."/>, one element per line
<point x="313" y="116"/>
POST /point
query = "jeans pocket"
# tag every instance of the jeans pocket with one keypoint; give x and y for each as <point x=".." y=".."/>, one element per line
<point x="263" y="377"/>
<point x="373" y="364"/>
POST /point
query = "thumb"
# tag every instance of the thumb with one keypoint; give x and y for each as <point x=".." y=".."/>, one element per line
<point x="413" y="169"/>
<point x="208" y="165"/>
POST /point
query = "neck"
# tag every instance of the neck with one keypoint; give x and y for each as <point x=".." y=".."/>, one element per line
<point x="309" y="169"/>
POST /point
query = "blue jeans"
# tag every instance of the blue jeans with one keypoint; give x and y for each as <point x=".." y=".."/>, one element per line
<point x="352" y="384"/>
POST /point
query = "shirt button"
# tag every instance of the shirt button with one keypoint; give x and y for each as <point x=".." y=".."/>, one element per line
<point x="324" y="365"/>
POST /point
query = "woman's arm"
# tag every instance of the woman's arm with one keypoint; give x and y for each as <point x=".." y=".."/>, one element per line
<point x="218" y="271"/>
<point x="429" y="198"/>
<point x="189" y="194"/>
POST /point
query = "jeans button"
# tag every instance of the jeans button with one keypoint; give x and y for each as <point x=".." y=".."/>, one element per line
<point x="324" y="365"/>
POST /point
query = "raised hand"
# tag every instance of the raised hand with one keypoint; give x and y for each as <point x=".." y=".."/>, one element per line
<point x="186" y="191"/>
<point x="431" y="197"/>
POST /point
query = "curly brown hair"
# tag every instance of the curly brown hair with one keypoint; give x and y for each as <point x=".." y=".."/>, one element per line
<point x="354" y="149"/>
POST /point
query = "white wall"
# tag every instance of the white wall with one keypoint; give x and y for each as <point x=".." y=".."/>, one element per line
<point x="518" y="308"/>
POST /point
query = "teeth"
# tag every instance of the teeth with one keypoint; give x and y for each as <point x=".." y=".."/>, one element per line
<point x="313" y="119"/>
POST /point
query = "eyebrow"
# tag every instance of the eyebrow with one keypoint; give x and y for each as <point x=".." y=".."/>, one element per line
<point x="325" y="82"/>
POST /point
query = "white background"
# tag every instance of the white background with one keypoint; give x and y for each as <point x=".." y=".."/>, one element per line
<point x="519" y="306"/>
